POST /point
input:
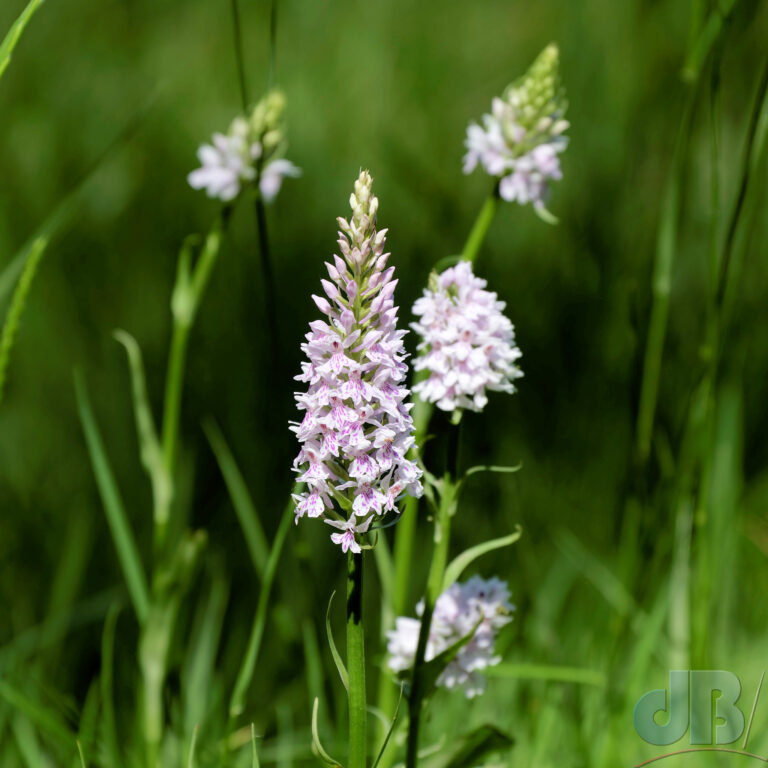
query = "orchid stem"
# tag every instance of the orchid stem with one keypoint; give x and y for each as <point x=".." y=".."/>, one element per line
<point x="442" y="541"/>
<point x="356" y="662"/>
<point x="481" y="226"/>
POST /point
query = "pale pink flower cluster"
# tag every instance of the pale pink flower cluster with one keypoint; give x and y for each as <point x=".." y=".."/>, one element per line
<point x="467" y="344"/>
<point x="250" y="152"/>
<point x="357" y="428"/>
<point x="478" y="605"/>
<point x="520" y="141"/>
<point x="523" y="177"/>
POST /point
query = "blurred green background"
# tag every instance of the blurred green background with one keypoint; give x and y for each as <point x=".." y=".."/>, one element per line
<point x="389" y="86"/>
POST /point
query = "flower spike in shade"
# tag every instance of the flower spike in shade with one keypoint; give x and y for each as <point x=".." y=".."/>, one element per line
<point x="356" y="429"/>
<point x="251" y="151"/>
<point x="520" y="141"/>
<point x="467" y="345"/>
<point x="477" y="604"/>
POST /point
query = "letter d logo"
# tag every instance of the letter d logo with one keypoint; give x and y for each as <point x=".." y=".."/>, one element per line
<point x="656" y="701"/>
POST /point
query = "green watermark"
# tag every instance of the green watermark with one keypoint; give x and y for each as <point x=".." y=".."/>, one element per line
<point x="701" y="703"/>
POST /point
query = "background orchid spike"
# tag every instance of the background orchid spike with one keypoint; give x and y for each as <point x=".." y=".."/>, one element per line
<point x="520" y="141"/>
<point x="251" y="151"/>
<point x="357" y="428"/>
<point x="479" y="608"/>
<point x="467" y="345"/>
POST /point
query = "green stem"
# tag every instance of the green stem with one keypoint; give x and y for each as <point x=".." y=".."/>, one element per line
<point x="239" y="59"/>
<point x="481" y="225"/>
<point x="442" y="541"/>
<point x="187" y="294"/>
<point x="267" y="273"/>
<point x="356" y="661"/>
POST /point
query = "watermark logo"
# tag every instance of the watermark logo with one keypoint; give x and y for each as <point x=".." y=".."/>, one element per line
<point x="702" y="703"/>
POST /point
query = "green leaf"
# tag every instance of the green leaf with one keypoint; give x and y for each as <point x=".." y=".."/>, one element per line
<point x="241" y="498"/>
<point x="18" y="300"/>
<point x="602" y="578"/>
<point x="546" y="215"/>
<point x="317" y="747"/>
<point x="45" y="718"/>
<point x="106" y="680"/>
<point x="553" y="674"/>
<point x="127" y="552"/>
<point x="343" y="674"/>
<point x="14" y="33"/>
<point x="245" y="675"/>
<point x="457" y="566"/>
<point x="445" y="262"/>
<point x="391" y="729"/>
<point x="149" y="443"/>
<point x="433" y="668"/>
<point x="492" y="468"/>
<point x="476" y="745"/>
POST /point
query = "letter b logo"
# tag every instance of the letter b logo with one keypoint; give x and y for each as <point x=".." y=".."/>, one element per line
<point x="692" y="700"/>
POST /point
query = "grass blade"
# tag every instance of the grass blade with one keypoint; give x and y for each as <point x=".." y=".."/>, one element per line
<point x="191" y="761"/>
<point x="477" y="744"/>
<point x="391" y="729"/>
<point x="106" y="680"/>
<point x="127" y="552"/>
<point x="201" y="657"/>
<point x="26" y="740"/>
<point x="242" y="501"/>
<point x="553" y="674"/>
<point x="63" y="211"/>
<point x="12" y="319"/>
<point x="44" y="717"/>
<point x="254" y="753"/>
<point x="245" y="675"/>
<point x="14" y="33"/>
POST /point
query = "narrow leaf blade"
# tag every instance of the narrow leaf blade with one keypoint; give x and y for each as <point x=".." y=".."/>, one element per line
<point x="317" y="746"/>
<point x="457" y="566"/>
<point x="343" y="674"/>
<point x="127" y="552"/>
<point x="241" y="498"/>
<point x="14" y="33"/>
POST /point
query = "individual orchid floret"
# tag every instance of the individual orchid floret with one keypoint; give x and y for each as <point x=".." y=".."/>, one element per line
<point x="467" y="345"/>
<point x="479" y="608"/>
<point x="250" y="152"/>
<point x="521" y="140"/>
<point x="356" y="429"/>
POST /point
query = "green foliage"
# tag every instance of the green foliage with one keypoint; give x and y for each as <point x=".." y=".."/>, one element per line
<point x="639" y="423"/>
<point x="11" y="325"/>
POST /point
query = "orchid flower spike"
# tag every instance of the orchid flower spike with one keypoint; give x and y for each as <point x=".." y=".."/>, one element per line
<point x="519" y="143"/>
<point x="251" y="152"/>
<point x="467" y="345"/>
<point x="478" y="607"/>
<point x="356" y="428"/>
